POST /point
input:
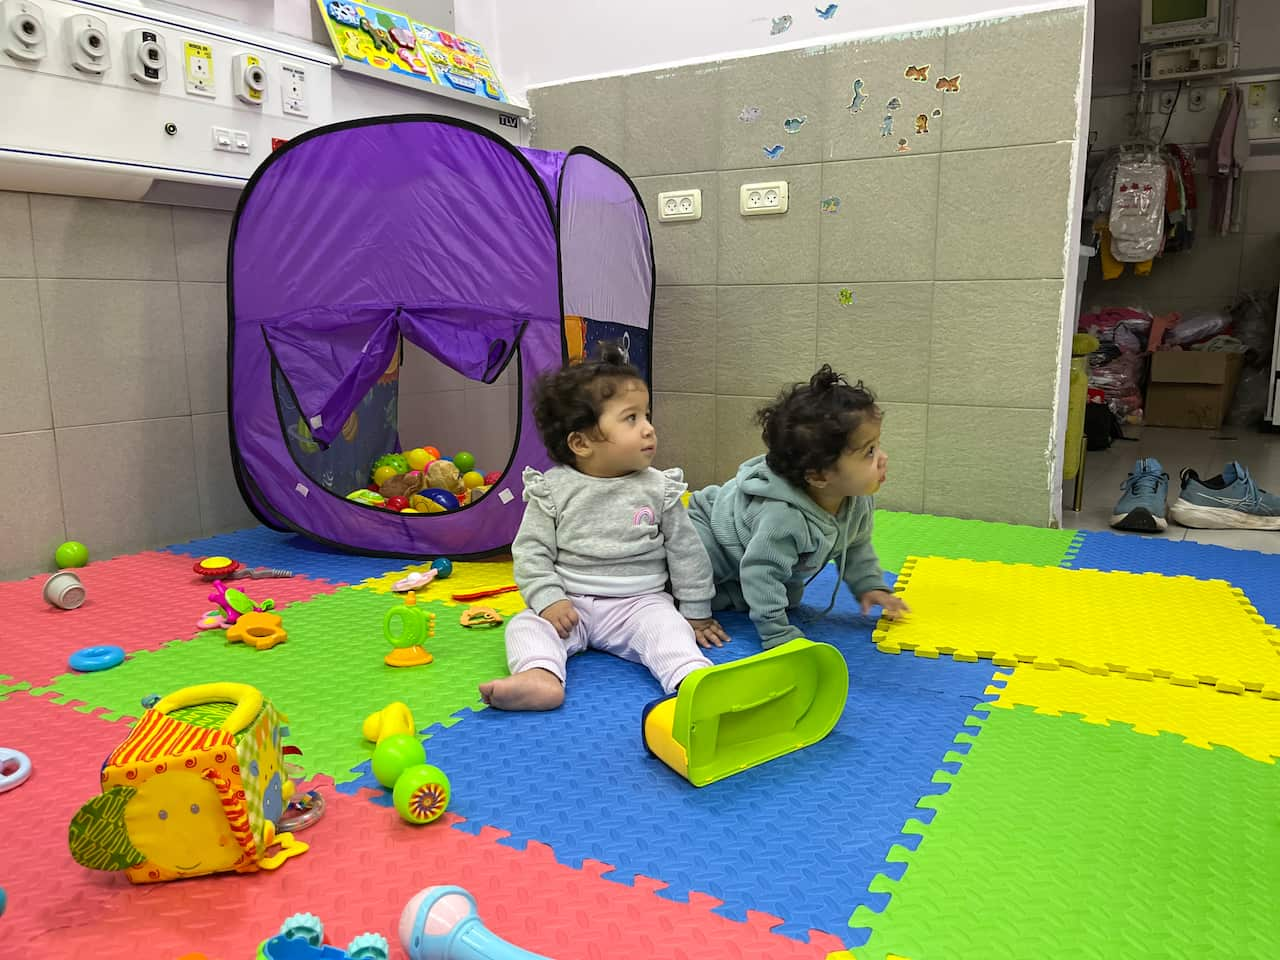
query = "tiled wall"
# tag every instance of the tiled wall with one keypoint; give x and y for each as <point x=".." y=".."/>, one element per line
<point x="113" y="381"/>
<point x="953" y="250"/>
<point x="1215" y="269"/>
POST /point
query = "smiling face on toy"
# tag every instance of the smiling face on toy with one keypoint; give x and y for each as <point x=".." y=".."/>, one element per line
<point x="176" y="821"/>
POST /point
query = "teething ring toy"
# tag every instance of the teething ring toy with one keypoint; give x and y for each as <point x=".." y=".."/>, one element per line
<point x="262" y="631"/>
<point x="92" y="659"/>
<point x="215" y="568"/>
<point x="15" y="768"/>
<point x="303" y="811"/>
<point x="478" y="616"/>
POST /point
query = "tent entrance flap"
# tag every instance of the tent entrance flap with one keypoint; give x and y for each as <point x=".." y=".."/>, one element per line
<point x="332" y="357"/>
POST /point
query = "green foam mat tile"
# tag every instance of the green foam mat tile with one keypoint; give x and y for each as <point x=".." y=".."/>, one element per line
<point x="900" y="535"/>
<point x="1064" y="839"/>
<point x="327" y="677"/>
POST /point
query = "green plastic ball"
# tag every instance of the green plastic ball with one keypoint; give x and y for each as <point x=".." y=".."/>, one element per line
<point x="396" y="461"/>
<point x="394" y="755"/>
<point x="464" y="461"/>
<point x="421" y="794"/>
<point x="73" y="553"/>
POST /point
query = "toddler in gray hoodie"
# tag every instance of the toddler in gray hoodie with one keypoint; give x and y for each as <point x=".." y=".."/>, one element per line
<point x="808" y="501"/>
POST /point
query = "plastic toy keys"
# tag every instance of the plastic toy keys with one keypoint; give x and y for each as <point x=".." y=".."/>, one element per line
<point x="441" y="923"/>
<point x="235" y="603"/>
<point x="15" y="768"/>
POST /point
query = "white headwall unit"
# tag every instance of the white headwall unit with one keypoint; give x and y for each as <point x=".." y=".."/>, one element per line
<point x="110" y="135"/>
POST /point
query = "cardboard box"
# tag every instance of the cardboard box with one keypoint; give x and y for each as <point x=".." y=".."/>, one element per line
<point x="1191" y="388"/>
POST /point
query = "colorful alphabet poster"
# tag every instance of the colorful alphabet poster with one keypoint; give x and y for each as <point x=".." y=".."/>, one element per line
<point x="385" y="40"/>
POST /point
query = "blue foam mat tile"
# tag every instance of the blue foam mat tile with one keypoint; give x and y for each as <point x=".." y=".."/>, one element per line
<point x="799" y="838"/>
<point x="263" y="547"/>
<point x="1257" y="574"/>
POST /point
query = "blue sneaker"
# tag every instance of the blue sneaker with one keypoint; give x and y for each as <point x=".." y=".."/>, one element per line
<point x="1142" y="506"/>
<point x="1229" y="501"/>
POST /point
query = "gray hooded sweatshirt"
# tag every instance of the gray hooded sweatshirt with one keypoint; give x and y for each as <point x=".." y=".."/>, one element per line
<point x="767" y="539"/>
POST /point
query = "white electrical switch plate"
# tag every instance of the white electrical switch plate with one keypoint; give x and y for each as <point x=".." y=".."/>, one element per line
<point x="145" y="56"/>
<point x="680" y="205"/>
<point x="294" y="95"/>
<point x="25" y="36"/>
<point x="1195" y="99"/>
<point x="197" y="69"/>
<point x="87" y="46"/>
<point x="758" y="199"/>
<point x="250" y="79"/>
<point x="240" y="141"/>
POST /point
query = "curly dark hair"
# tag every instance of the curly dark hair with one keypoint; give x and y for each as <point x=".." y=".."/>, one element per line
<point x="571" y="399"/>
<point x="808" y="427"/>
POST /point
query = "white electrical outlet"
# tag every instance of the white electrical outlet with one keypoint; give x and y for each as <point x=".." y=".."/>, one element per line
<point x="680" y="205"/>
<point x="25" y="37"/>
<point x="759" y="199"/>
<point x="250" y="79"/>
<point x="145" y="56"/>
<point x="197" y="62"/>
<point x="294" y="95"/>
<point x="87" y="46"/>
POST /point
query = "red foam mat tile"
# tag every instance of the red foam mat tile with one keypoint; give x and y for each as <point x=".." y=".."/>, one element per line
<point x="138" y="602"/>
<point x="363" y="866"/>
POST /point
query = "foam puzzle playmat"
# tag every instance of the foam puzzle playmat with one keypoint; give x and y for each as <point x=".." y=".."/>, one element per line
<point x="1067" y="750"/>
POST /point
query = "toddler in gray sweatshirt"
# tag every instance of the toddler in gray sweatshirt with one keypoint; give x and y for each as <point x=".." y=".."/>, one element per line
<point x="603" y="533"/>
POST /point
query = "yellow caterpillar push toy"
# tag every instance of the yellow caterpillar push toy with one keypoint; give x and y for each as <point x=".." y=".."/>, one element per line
<point x="198" y="787"/>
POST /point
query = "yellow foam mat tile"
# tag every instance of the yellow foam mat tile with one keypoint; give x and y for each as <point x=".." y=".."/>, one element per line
<point x="1247" y="723"/>
<point x="1143" y="625"/>
<point x="466" y="578"/>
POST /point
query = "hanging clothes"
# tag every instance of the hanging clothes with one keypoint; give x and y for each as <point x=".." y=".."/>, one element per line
<point x="1228" y="151"/>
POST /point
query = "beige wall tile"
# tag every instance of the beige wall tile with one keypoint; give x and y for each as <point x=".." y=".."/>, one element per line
<point x="988" y="463"/>
<point x="684" y="251"/>
<point x="1014" y="227"/>
<point x="588" y="113"/>
<point x="885" y="226"/>
<point x="781" y="86"/>
<point x="765" y="338"/>
<point x="1017" y="80"/>
<point x="77" y="237"/>
<point x="737" y="435"/>
<point x="32" y="519"/>
<point x="995" y="342"/>
<point x="881" y="64"/>
<point x="204" y="333"/>
<point x="141" y="484"/>
<point x="17" y="256"/>
<point x="670" y="120"/>
<point x="686" y="425"/>
<point x="684" y="339"/>
<point x="779" y="248"/>
<point x="115" y="350"/>
<point x="200" y="238"/>
<point x="881" y="338"/>
<point x="221" y="506"/>
<point x="24" y="380"/>
<point x="902" y="437"/>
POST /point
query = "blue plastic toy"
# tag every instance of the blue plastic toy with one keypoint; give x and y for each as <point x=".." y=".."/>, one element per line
<point x="441" y="923"/>
<point x="90" y="659"/>
<point x="444" y="565"/>
<point x="301" y="937"/>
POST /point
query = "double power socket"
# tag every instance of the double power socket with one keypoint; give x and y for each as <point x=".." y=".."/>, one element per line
<point x="754" y="200"/>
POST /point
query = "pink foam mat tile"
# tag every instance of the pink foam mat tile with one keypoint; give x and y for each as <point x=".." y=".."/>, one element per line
<point x="363" y="866"/>
<point x="138" y="602"/>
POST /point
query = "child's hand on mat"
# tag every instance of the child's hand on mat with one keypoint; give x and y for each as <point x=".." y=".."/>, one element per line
<point x="562" y="616"/>
<point x="709" y="633"/>
<point x="891" y="603"/>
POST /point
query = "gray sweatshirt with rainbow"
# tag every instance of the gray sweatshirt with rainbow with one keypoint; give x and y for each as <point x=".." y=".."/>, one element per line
<point x="609" y="537"/>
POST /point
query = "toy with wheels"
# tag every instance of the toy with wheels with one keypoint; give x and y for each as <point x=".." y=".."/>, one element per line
<point x="442" y="923"/>
<point x="734" y="716"/>
<point x="197" y="787"/>
<point x="301" y="937"/>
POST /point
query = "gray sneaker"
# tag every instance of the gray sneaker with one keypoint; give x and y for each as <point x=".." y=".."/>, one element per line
<point x="1141" y="507"/>
<point x="1229" y="501"/>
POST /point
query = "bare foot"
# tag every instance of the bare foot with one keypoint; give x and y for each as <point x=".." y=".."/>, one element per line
<point x="534" y="689"/>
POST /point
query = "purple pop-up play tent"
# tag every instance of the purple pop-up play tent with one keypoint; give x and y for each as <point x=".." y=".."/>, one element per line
<point x="354" y="236"/>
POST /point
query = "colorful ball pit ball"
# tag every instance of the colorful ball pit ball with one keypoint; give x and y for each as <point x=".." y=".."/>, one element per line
<point x="421" y="794"/>
<point x="397" y="503"/>
<point x="418" y="458"/>
<point x="491" y="478"/>
<point x="464" y="460"/>
<point x="73" y="553"/>
<point x="432" y="452"/>
<point x="473" y="479"/>
<point x="383" y="474"/>
<point x="444" y="565"/>
<point x="394" y="755"/>
<point x="441" y="497"/>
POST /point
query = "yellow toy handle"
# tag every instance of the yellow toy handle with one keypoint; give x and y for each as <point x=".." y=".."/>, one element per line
<point x="248" y="701"/>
